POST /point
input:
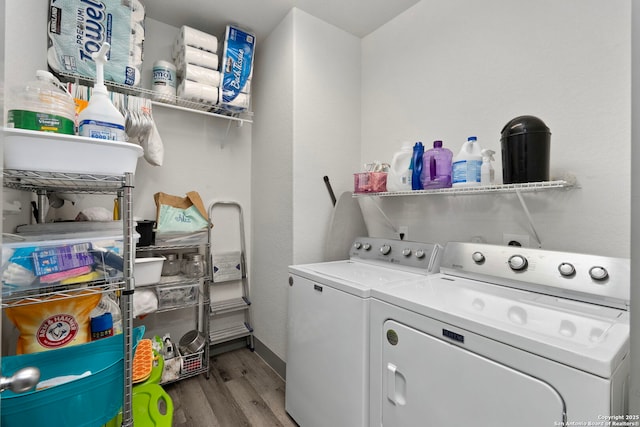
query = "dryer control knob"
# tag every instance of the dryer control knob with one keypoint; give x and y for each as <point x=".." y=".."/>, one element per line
<point x="366" y="246"/>
<point x="566" y="269"/>
<point x="406" y="252"/>
<point x="518" y="263"/>
<point x="598" y="273"/>
<point x="385" y="249"/>
<point x="478" y="257"/>
<point x="420" y="253"/>
<point x="357" y="245"/>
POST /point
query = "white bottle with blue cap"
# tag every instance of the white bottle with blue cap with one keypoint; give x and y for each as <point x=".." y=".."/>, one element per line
<point x="467" y="164"/>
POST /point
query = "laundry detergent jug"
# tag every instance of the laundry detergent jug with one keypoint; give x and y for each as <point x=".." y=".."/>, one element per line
<point x="399" y="177"/>
<point x="467" y="164"/>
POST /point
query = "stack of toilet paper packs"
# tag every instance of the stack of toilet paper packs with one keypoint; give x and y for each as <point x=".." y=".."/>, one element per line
<point x="78" y="28"/>
<point x="196" y="60"/>
<point x="197" y="64"/>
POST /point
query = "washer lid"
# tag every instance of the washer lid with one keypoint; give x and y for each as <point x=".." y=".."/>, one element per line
<point x="354" y="277"/>
<point x="587" y="336"/>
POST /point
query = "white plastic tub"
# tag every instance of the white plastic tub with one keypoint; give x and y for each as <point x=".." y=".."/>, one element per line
<point x="53" y="152"/>
<point x="147" y="271"/>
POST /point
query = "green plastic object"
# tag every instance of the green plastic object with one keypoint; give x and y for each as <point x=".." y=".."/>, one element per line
<point x="152" y="406"/>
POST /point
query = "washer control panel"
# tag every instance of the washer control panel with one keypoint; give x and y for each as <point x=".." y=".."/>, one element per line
<point x="589" y="278"/>
<point x="400" y="253"/>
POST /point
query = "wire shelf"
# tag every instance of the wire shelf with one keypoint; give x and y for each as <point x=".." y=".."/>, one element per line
<point x="40" y="295"/>
<point x="62" y="181"/>
<point x="174" y="102"/>
<point x="483" y="189"/>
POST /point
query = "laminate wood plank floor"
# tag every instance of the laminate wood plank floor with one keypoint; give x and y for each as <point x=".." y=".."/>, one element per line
<point x="242" y="390"/>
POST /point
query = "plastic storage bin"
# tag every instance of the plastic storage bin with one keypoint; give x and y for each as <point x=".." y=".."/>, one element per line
<point x="177" y="295"/>
<point x="370" y="182"/>
<point x="89" y="401"/>
<point x="46" y="261"/>
<point x="147" y="271"/>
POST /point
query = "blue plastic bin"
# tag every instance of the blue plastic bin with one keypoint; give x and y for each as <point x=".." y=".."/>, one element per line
<point x="89" y="401"/>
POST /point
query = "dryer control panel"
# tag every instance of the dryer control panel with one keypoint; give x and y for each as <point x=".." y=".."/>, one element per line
<point x="399" y="253"/>
<point x="583" y="277"/>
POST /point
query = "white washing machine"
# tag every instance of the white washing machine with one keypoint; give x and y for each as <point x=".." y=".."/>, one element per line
<point x="327" y="380"/>
<point x="503" y="336"/>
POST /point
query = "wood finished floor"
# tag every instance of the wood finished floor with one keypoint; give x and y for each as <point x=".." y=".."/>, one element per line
<point x="242" y="390"/>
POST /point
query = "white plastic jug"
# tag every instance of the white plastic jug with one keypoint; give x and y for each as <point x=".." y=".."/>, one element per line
<point x="467" y="164"/>
<point x="399" y="177"/>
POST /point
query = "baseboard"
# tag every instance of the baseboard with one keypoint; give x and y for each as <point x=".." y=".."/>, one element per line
<point x="277" y="364"/>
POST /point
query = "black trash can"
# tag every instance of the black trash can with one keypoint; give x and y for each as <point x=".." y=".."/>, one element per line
<point x="526" y="146"/>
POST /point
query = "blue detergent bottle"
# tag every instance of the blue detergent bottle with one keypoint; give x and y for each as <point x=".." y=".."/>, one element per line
<point x="416" y="161"/>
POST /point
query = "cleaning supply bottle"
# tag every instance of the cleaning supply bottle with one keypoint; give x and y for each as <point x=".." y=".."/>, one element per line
<point x="467" y="164"/>
<point x="436" y="167"/>
<point x="487" y="174"/>
<point x="42" y="105"/>
<point x="416" y="160"/>
<point x="101" y="119"/>
<point x="107" y="305"/>
<point x="399" y="178"/>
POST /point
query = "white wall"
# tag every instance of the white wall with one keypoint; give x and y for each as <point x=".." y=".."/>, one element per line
<point x="428" y="74"/>
<point x="308" y="126"/>
<point x="634" y="390"/>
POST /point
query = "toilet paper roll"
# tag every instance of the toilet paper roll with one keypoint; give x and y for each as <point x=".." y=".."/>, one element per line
<point x="239" y="103"/>
<point x="193" y="55"/>
<point x="198" y="92"/>
<point x="189" y="36"/>
<point x="200" y="74"/>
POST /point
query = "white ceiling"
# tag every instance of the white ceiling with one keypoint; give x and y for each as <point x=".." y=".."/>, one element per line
<point x="359" y="17"/>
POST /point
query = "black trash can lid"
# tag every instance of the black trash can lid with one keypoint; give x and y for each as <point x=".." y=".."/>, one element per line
<point x="524" y="124"/>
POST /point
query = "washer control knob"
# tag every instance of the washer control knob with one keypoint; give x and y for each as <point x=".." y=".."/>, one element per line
<point x="598" y="273"/>
<point x="420" y="253"/>
<point x="478" y="257"/>
<point x="357" y="245"/>
<point x="366" y="246"/>
<point x="566" y="269"/>
<point x="406" y="252"/>
<point x="518" y="263"/>
<point x="385" y="249"/>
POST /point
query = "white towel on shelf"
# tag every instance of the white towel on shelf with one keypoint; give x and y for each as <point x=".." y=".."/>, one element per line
<point x="200" y="74"/>
<point x="193" y="55"/>
<point x="191" y="37"/>
<point x="198" y="92"/>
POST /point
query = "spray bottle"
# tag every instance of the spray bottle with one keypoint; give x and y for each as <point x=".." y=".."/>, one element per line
<point x="487" y="174"/>
<point x="101" y="119"/>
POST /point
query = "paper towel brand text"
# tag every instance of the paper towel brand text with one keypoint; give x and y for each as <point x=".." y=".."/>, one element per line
<point x="93" y="27"/>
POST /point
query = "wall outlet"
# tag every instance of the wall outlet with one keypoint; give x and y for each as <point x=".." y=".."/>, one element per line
<point x="403" y="232"/>
<point x="516" y="240"/>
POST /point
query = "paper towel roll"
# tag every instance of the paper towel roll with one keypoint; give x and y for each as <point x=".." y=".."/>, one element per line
<point x="191" y="37"/>
<point x="200" y="74"/>
<point x="193" y="55"/>
<point x="198" y="92"/>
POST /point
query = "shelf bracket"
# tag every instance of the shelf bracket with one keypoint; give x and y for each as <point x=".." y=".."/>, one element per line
<point x="529" y="218"/>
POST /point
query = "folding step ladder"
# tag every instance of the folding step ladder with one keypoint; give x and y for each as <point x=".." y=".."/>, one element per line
<point x="229" y="315"/>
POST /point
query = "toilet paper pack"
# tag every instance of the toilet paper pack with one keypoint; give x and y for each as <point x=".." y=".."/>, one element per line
<point x="236" y="67"/>
<point x="78" y="28"/>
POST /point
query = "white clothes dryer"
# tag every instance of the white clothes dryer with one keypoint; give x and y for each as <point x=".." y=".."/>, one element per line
<point x="503" y="336"/>
<point x="327" y="377"/>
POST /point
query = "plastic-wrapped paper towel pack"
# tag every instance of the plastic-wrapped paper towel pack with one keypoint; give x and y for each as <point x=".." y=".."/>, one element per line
<point x="77" y="28"/>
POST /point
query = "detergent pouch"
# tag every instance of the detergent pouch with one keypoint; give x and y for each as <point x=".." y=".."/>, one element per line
<point x="180" y="215"/>
<point x="237" y="66"/>
<point x="77" y="28"/>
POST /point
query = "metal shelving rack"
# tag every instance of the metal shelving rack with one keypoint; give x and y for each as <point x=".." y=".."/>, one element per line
<point x="122" y="185"/>
<point x="202" y="303"/>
